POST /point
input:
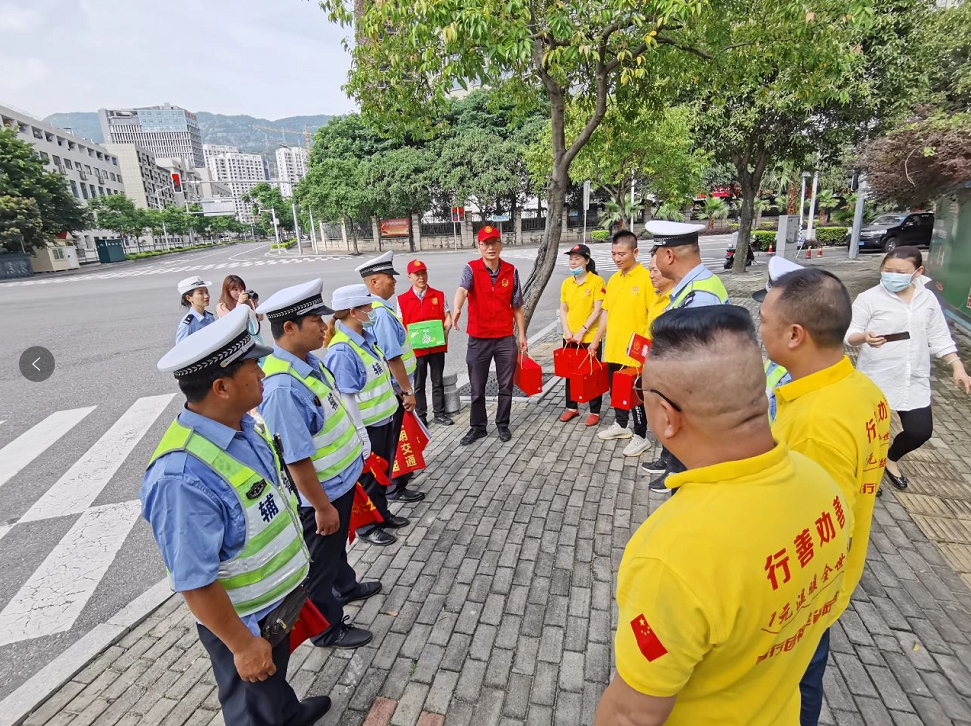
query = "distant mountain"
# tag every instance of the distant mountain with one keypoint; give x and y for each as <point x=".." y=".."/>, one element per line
<point x="216" y="128"/>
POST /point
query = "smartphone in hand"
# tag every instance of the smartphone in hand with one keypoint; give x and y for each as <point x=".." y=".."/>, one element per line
<point x="893" y="337"/>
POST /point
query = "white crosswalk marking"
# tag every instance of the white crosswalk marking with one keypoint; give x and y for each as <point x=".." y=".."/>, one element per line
<point x="56" y="593"/>
<point x="80" y="486"/>
<point x="33" y="442"/>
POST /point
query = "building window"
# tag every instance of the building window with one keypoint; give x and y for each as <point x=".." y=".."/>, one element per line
<point x="87" y="168"/>
<point x="44" y="156"/>
<point x="84" y="190"/>
<point x="93" y="193"/>
<point x="74" y="189"/>
<point x="67" y="163"/>
<point x="57" y="160"/>
<point x="58" y="253"/>
<point x="101" y="190"/>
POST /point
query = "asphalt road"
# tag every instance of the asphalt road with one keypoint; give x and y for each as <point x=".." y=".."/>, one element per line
<point x="73" y="448"/>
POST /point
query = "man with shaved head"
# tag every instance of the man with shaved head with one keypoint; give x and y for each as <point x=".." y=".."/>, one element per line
<point x="725" y="591"/>
<point x="830" y="412"/>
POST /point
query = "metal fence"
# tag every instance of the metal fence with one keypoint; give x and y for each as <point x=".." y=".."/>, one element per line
<point x="506" y="227"/>
<point x="15" y="264"/>
<point x="440" y="229"/>
<point x="534" y="224"/>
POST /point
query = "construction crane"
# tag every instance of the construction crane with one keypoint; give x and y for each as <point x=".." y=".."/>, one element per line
<point x="283" y="132"/>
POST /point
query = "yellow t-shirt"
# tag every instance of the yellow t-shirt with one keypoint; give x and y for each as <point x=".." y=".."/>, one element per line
<point x="658" y="306"/>
<point x="725" y="591"/>
<point x="840" y="419"/>
<point x="579" y="299"/>
<point x="628" y="303"/>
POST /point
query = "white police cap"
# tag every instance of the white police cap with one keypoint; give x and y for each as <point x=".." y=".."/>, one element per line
<point x="673" y="234"/>
<point x="191" y="283"/>
<point x="778" y="266"/>
<point x="351" y="296"/>
<point x="380" y="264"/>
<point x="225" y="341"/>
<point x="294" y="301"/>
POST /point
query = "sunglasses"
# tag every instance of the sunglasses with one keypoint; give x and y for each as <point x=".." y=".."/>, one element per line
<point x="673" y="405"/>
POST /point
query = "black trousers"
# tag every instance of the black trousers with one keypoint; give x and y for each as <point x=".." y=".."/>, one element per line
<point x="381" y="438"/>
<point x="330" y="574"/>
<point x="435" y="363"/>
<point x="673" y="463"/>
<point x="480" y="354"/>
<point x="265" y="703"/>
<point x="918" y="425"/>
<point x="595" y="404"/>
<point x="621" y="415"/>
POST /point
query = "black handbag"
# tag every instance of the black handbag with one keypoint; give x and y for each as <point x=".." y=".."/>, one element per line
<point x="278" y="624"/>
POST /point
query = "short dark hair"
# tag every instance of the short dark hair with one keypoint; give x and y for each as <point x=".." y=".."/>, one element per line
<point x="685" y="329"/>
<point x="184" y="300"/>
<point x="625" y="237"/>
<point x="195" y="388"/>
<point x="911" y="254"/>
<point x="276" y="326"/>
<point x="819" y="302"/>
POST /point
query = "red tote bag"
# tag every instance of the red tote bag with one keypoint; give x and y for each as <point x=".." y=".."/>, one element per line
<point x="528" y="376"/>
<point x="592" y="381"/>
<point x="623" y="391"/>
<point x="569" y="361"/>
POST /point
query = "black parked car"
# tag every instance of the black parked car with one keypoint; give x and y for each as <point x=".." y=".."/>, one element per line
<point x="897" y="228"/>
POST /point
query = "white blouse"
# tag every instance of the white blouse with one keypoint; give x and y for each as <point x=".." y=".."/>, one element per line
<point x="902" y="369"/>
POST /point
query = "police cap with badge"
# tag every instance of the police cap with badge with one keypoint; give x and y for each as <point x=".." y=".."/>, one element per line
<point x="215" y="347"/>
<point x="778" y="266"/>
<point x="295" y="301"/>
<point x="380" y="265"/>
<point x="191" y="283"/>
<point x="672" y="234"/>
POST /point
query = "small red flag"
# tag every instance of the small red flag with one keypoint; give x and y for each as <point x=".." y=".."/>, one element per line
<point x="647" y="640"/>
<point x="363" y="512"/>
<point x="378" y="466"/>
<point x="310" y="623"/>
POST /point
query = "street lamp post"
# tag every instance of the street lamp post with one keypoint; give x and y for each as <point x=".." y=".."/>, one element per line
<point x="802" y="199"/>
<point x="313" y="231"/>
<point x="861" y="188"/>
<point x="812" y="209"/>
<point x="296" y="227"/>
<point x="165" y="232"/>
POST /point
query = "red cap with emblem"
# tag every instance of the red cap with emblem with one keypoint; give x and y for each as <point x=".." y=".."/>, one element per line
<point x="416" y="266"/>
<point x="489" y="232"/>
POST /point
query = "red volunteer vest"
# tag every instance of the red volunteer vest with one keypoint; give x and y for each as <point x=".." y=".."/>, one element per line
<point x="431" y="307"/>
<point x="490" y="306"/>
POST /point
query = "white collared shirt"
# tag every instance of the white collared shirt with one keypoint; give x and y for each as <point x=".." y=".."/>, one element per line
<point x="902" y="369"/>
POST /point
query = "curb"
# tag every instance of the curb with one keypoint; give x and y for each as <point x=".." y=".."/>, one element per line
<point x="16" y="707"/>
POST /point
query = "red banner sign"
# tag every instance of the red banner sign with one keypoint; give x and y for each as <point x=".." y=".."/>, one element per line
<point x="394" y="227"/>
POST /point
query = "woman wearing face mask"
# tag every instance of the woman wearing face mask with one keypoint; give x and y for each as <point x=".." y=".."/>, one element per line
<point x="900" y="324"/>
<point x="581" y="300"/>
<point x="363" y="378"/>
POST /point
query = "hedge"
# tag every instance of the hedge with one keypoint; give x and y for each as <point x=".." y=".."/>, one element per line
<point x="831" y="235"/>
<point x="762" y="239"/>
<point x="175" y="250"/>
<point x="285" y="245"/>
<point x="600" y="235"/>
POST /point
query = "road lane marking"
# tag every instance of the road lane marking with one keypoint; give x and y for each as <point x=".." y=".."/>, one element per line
<point x="83" y="482"/>
<point x="57" y="591"/>
<point x="33" y="442"/>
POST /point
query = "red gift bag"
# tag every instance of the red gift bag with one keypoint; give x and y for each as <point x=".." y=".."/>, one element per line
<point x="569" y="361"/>
<point x="310" y="623"/>
<point x="363" y="512"/>
<point x="592" y="381"/>
<point x="623" y="391"/>
<point x="409" y="456"/>
<point x="528" y="376"/>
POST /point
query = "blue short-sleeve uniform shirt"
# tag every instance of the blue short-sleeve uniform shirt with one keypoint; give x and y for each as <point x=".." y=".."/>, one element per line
<point x="192" y="322"/>
<point x="347" y="366"/>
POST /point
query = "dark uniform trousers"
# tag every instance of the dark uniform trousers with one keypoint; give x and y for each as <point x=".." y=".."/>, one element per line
<point x="265" y="703"/>
<point x="622" y="416"/>
<point x="330" y="574"/>
<point x="434" y="363"/>
<point x="480" y="353"/>
<point x="381" y="438"/>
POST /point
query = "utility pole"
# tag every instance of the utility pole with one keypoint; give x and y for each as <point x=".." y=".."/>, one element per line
<point x="586" y="204"/>
<point x="802" y="200"/>
<point x="276" y="231"/>
<point x="812" y="209"/>
<point x="861" y="188"/>
<point x="296" y="227"/>
<point x="313" y="231"/>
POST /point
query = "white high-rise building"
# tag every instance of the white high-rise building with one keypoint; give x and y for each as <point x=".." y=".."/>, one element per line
<point x="147" y="184"/>
<point x="291" y="166"/>
<point x="166" y="130"/>
<point x="240" y="172"/>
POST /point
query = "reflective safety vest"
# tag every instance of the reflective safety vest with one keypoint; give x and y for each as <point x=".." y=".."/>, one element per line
<point x="274" y="558"/>
<point x="774" y="373"/>
<point x="711" y="284"/>
<point x="376" y="400"/>
<point x="337" y="443"/>
<point x="407" y="354"/>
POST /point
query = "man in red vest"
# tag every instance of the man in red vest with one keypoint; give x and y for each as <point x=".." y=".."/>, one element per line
<point x="495" y="303"/>
<point x="422" y="303"/>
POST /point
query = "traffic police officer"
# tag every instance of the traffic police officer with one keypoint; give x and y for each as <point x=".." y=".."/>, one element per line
<point x="389" y="330"/>
<point x="362" y="376"/>
<point x="321" y="448"/>
<point x="775" y="375"/>
<point x="226" y="526"/>
<point x="193" y="295"/>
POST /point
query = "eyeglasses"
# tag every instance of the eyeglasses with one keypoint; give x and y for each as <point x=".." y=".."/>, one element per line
<point x="675" y="406"/>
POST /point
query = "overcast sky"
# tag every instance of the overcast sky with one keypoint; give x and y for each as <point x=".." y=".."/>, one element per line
<point x="266" y="58"/>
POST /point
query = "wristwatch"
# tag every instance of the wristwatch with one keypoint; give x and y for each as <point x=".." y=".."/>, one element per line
<point x="408" y="393"/>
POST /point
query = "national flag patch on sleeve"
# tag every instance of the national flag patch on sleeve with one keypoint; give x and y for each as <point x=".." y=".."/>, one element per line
<point x="648" y="642"/>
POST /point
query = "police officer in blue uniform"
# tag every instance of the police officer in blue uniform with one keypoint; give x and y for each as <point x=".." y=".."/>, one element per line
<point x="194" y="296"/>
<point x="227" y="528"/>
<point x="322" y="448"/>
<point x="392" y="336"/>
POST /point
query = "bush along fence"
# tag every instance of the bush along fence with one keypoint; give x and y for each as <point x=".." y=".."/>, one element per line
<point x="827" y="236"/>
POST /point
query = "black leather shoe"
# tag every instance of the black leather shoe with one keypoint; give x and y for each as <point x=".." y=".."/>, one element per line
<point x="473" y="436"/>
<point x="379" y="537"/>
<point x="406" y="495"/>
<point x="395" y="522"/>
<point x="443" y="419"/>
<point x="312" y="710"/>
<point x="504" y="434"/>
<point x="658" y="483"/>
<point x="347" y="637"/>
<point x="900" y="482"/>
<point x="424" y="419"/>
<point x="363" y="591"/>
<point x="658" y="466"/>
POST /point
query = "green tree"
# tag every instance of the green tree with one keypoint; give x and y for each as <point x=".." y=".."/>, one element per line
<point x="334" y="188"/>
<point x="23" y="178"/>
<point x="947" y="41"/>
<point x="715" y="208"/>
<point x="119" y="214"/>
<point x="399" y="183"/>
<point x="266" y="198"/>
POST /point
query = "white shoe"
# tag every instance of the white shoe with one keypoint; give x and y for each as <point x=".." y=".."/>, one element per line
<point x="616" y="431"/>
<point x="637" y="446"/>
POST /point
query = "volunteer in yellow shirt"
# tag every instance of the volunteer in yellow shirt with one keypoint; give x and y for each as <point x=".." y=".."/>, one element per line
<point x="724" y="592"/>
<point x="626" y="307"/>
<point x="581" y="299"/>
<point x="830" y="412"/>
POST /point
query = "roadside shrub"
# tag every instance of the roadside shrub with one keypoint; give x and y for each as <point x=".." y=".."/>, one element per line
<point x="761" y="239"/>
<point x="831" y="235"/>
<point x="600" y="235"/>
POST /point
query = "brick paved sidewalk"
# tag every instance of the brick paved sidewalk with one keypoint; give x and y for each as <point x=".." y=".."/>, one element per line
<point x="498" y="600"/>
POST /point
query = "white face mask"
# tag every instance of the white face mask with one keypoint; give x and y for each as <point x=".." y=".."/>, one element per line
<point x="896" y="281"/>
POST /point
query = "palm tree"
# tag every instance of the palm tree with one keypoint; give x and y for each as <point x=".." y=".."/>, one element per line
<point x="762" y="205"/>
<point x="784" y="178"/>
<point x="715" y="208"/>
<point x="824" y="202"/>
<point x="670" y="211"/>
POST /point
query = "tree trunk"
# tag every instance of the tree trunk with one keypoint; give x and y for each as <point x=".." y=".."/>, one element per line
<point x="745" y="216"/>
<point x="547" y="253"/>
<point x="792" y="203"/>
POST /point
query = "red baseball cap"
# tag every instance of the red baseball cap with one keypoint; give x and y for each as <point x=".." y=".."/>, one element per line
<point x="489" y="232"/>
<point x="416" y="266"/>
